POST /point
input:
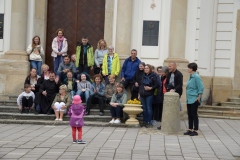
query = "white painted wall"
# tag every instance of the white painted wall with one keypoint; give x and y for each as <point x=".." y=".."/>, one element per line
<point x="224" y="35"/>
<point x="1" y="12"/>
<point x="7" y="5"/>
<point x="192" y="34"/>
<point x="211" y="34"/>
<point x="207" y="33"/>
<point x="152" y="15"/>
<point x="154" y="55"/>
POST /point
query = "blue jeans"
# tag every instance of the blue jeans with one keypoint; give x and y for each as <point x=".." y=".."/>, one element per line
<point x="57" y="61"/>
<point x="37" y="65"/>
<point x="72" y="93"/>
<point x="83" y="95"/>
<point x="106" y="79"/>
<point x="62" y="76"/>
<point x="147" y="108"/>
<point x="116" y="112"/>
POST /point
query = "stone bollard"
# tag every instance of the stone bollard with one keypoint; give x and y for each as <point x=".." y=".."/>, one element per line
<point x="171" y="116"/>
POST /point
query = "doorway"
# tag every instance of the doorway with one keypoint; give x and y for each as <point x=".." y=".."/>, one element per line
<point x="78" y="18"/>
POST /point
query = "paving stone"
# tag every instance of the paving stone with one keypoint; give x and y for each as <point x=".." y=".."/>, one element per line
<point x="30" y="158"/>
<point x="123" y="156"/>
<point x="157" y="157"/>
<point x="87" y="157"/>
<point x="218" y="140"/>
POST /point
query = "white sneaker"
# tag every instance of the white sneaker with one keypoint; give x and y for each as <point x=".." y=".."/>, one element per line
<point x="56" y="119"/>
<point x="60" y="119"/>
<point x="117" y="121"/>
<point x="112" y="121"/>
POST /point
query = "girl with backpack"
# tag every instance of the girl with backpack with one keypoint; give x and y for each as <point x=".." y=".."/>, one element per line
<point x="76" y="113"/>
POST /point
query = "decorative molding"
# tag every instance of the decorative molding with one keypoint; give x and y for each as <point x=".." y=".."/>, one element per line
<point x="153" y="4"/>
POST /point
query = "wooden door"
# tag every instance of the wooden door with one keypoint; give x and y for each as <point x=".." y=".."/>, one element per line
<point x="78" y="18"/>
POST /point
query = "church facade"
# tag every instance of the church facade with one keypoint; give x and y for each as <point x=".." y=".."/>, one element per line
<point x="203" y="31"/>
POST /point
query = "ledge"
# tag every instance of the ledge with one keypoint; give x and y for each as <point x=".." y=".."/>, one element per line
<point x="177" y="60"/>
<point x="16" y="52"/>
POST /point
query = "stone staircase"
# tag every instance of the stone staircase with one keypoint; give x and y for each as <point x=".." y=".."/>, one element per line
<point x="9" y="113"/>
<point x="225" y="110"/>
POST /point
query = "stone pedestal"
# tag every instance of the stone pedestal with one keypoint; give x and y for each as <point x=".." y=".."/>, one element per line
<point x="182" y="67"/>
<point x="171" y="115"/>
<point x="13" y="72"/>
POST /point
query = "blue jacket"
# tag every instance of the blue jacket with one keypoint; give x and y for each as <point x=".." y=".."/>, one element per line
<point x="151" y="81"/>
<point x="158" y="95"/>
<point x="101" y="90"/>
<point x="129" y="68"/>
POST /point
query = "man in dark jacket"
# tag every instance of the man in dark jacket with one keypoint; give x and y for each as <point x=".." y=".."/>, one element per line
<point x="130" y="66"/>
<point x="48" y="91"/>
<point x="174" y="80"/>
<point x="65" y="67"/>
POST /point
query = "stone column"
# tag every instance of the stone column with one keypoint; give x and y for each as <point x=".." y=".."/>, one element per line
<point x="178" y="29"/>
<point x="124" y="26"/>
<point x="178" y="35"/>
<point x="19" y="25"/>
<point x="109" y="18"/>
<point x="14" y="63"/>
<point x="40" y="22"/>
<point x="30" y="21"/>
<point x="121" y="29"/>
<point x="171" y="115"/>
<point x="178" y="41"/>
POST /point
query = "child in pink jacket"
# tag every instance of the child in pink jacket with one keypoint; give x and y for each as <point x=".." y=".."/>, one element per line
<point x="76" y="113"/>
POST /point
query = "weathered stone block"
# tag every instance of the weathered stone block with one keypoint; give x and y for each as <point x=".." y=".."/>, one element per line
<point x="171" y="116"/>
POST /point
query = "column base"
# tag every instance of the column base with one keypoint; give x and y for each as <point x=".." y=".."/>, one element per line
<point x="13" y="72"/>
<point x="182" y="67"/>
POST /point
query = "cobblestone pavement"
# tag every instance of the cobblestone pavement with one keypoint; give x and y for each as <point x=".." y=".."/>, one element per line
<point x="218" y="139"/>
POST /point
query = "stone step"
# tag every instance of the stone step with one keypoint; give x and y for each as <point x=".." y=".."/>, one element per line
<point x="9" y="103"/>
<point x="234" y="99"/>
<point x="219" y="108"/>
<point x="13" y="97"/>
<point x="9" y="109"/>
<point x="12" y="103"/>
<point x="47" y="122"/>
<point x="218" y="113"/>
<point x="14" y="109"/>
<point x="231" y="104"/>
<point x="218" y="117"/>
<point x="31" y="116"/>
